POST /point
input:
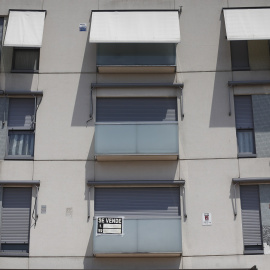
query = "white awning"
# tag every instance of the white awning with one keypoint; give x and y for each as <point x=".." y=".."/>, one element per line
<point x="247" y="24"/>
<point x="135" y="27"/>
<point x="25" y="29"/>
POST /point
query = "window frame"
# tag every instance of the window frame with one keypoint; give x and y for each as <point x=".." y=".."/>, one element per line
<point x="239" y="129"/>
<point x="252" y="250"/>
<point x="15" y="253"/>
<point x="30" y="129"/>
<point x="13" y="70"/>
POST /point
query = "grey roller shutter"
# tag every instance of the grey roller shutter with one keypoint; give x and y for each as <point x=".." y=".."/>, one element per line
<point x="243" y="112"/>
<point x="136" y="109"/>
<point x="15" y="220"/>
<point x="250" y="205"/>
<point x="21" y="112"/>
<point x="160" y="202"/>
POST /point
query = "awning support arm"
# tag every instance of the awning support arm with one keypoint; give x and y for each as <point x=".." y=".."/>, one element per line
<point x="35" y="210"/>
<point x="5" y="107"/>
<point x="184" y="202"/>
<point x="88" y="206"/>
<point x="235" y="205"/>
<point x="181" y="102"/>
<point x="230" y="106"/>
<point x="91" y="104"/>
<point x="36" y="206"/>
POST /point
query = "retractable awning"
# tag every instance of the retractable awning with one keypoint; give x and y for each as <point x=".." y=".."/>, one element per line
<point x="247" y="23"/>
<point x="135" y="27"/>
<point x="25" y="29"/>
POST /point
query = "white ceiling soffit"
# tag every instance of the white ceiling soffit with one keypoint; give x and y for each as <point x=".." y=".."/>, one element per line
<point x="135" y="27"/>
<point x="25" y="29"/>
<point x="247" y="24"/>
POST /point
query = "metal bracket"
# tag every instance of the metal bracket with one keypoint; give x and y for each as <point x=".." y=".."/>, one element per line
<point x="91" y="104"/>
<point x="36" y="204"/>
<point x="88" y="207"/>
<point x="184" y="202"/>
<point x="181" y="102"/>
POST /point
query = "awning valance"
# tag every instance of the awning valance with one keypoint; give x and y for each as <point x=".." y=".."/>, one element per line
<point x="247" y="23"/>
<point x="25" y="29"/>
<point x="135" y="27"/>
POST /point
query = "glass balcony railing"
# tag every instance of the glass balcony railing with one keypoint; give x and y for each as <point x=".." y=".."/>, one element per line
<point x="136" y="139"/>
<point x="136" y="54"/>
<point x="157" y="235"/>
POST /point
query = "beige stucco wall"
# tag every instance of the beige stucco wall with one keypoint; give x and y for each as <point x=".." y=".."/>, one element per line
<point x="64" y="141"/>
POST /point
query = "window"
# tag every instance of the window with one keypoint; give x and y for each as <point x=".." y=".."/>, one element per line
<point x="24" y="33"/>
<point x="239" y="55"/>
<point x="26" y="60"/>
<point x="140" y="209"/>
<point x="15" y="220"/>
<point x="141" y="127"/>
<point x="250" y="55"/>
<point x="252" y="125"/>
<point x="249" y="34"/>
<point x="255" y="201"/>
<point x="244" y="125"/>
<point x="21" y="125"/>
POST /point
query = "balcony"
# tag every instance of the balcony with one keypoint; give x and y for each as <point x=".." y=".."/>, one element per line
<point x="140" y="141"/>
<point x="141" y="237"/>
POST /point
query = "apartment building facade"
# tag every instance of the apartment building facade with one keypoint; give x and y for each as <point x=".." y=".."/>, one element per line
<point x="135" y="134"/>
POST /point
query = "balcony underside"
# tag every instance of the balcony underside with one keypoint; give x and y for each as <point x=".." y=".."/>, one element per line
<point x="135" y="157"/>
<point x="136" y="255"/>
<point x="136" y="69"/>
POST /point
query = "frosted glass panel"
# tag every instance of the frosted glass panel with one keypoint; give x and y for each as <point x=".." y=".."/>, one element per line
<point x="136" y="139"/>
<point x="142" y="236"/>
<point x="159" y="236"/>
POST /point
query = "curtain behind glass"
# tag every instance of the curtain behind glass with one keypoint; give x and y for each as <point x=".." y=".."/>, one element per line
<point x="245" y="141"/>
<point x="21" y="143"/>
<point x="26" y="59"/>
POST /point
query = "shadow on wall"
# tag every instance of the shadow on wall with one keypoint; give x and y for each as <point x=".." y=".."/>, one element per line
<point x="82" y="108"/>
<point x="220" y="108"/>
<point x="15" y="81"/>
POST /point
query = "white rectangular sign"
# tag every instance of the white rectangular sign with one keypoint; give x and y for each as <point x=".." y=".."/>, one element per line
<point x="206" y="219"/>
<point x="109" y="225"/>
